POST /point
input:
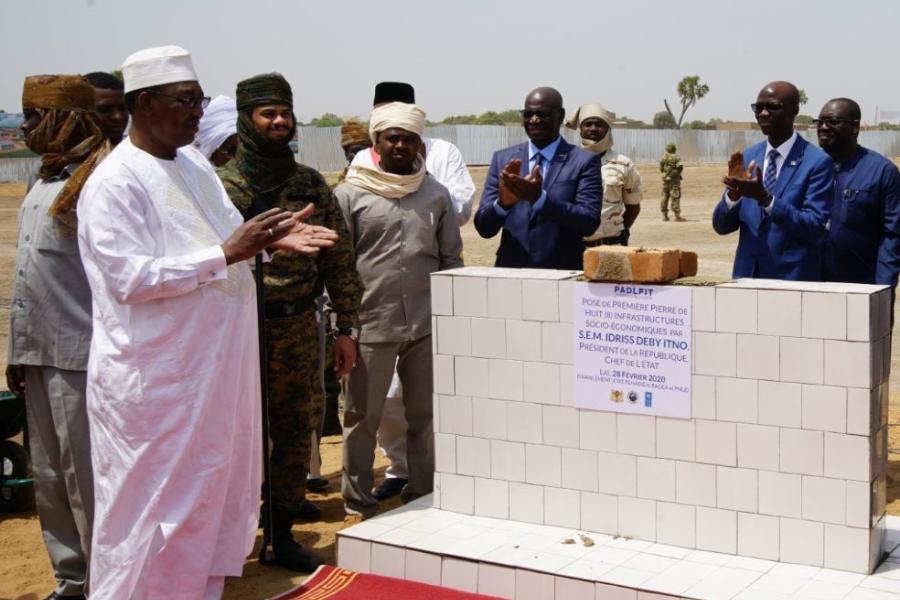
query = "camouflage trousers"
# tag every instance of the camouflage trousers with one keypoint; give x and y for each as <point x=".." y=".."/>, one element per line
<point x="671" y="197"/>
<point x="296" y="402"/>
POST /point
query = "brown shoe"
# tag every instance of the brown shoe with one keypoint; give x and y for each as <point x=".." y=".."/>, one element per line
<point x="665" y="216"/>
<point x="680" y="219"/>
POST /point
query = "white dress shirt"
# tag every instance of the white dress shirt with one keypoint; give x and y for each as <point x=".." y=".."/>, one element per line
<point x="445" y="163"/>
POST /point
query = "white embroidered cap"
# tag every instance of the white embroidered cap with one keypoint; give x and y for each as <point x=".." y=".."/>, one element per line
<point x="157" y="66"/>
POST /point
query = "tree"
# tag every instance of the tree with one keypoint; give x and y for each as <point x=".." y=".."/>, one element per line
<point x="803" y="98"/>
<point x="664" y="120"/>
<point x="327" y="120"/>
<point x="690" y="89"/>
<point x="699" y="125"/>
<point x="490" y="117"/>
<point x="117" y="73"/>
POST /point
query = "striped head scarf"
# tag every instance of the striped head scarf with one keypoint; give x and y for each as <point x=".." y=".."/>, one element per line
<point x="68" y="132"/>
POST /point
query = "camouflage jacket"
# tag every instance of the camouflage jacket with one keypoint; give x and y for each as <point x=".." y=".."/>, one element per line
<point x="670" y="166"/>
<point x="295" y="278"/>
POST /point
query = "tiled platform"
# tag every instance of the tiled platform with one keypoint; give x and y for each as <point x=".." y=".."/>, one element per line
<point x="531" y="562"/>
<point x="784" y="455"/>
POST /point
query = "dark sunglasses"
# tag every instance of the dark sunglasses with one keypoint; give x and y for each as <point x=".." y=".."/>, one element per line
<point x="832" y="122"/>
<point x="189" y="103"/>
<point x="542" y="115"/>
<point x="758" y="107"/>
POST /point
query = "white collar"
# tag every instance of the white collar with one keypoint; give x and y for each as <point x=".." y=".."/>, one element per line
<point x="784" y="149"/>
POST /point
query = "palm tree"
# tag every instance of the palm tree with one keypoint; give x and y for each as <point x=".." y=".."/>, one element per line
<point x="690" y="89"/>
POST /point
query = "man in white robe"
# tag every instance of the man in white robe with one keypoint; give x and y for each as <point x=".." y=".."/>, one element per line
<point x="173" y="389"/>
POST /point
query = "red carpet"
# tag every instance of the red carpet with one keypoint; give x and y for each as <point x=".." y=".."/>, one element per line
<point x="331" y="583"/>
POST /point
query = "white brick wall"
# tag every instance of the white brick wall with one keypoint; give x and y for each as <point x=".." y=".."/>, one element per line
<point x="783" y="458"/>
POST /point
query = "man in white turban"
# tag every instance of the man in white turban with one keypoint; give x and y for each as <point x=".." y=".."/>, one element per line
<point x="173" y="392"/>
<point x="621" y="181"/>
<point x="403" y="225"/>
<point x="217" y="137"/>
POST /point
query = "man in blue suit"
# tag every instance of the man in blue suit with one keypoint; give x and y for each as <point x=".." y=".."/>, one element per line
<point x="545" y="194"/>
<point x="863" y="244"/>
<point x="778" y="194"/>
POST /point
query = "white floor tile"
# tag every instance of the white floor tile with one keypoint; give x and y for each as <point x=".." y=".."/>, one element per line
<point x="711" y="589"/>
<point x="649" y="562"/>
<point x="627" y="577"/>
<point x="800" y="571"/>
<point x="782" y="584"/>
<point x="610" y="555"/>
<point x="586" y="569"/>
<point x="668" y="551"/>
<point x="708" y="558"/>
<point x="366" y="530"/>
<point x="669" y="584"/>
<point x="821" y="590"/>
<point x="750" y="564"/>
<point x="399" y="536"/>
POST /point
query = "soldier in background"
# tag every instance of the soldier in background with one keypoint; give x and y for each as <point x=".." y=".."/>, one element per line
<point x="670" y="166"/>
<point x="264" y="174"/>
<point x="622" y="193"/>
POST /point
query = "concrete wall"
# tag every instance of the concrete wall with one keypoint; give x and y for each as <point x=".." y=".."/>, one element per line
<point x="783" y="459"/>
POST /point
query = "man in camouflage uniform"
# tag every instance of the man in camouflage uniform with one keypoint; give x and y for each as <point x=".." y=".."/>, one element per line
<point x="670" y="166"/>
<point x="264" y="174"/>
<point x="622" y="192"/>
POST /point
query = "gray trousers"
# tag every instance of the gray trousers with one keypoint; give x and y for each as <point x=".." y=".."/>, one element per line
<point x="367" y="389"/>
<point x="60" y="448"/>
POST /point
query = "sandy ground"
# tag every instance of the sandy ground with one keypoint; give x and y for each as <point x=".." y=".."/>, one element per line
<point x="24" y="568"/>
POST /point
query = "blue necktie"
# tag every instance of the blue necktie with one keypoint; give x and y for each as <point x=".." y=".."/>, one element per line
<point x="539" y="162"/>
<point x="770" y="177"/>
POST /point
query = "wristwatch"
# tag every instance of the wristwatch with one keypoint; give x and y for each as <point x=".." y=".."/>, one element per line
<point x="351" y="332"/>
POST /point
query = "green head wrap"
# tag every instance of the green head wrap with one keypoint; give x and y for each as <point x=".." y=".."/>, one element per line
<point x="266" y="165"/>
<point x="670" y="148"/>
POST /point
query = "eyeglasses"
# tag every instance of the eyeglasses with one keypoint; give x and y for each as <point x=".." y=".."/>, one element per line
<point x="832" y="122"/>
<point x="189" y="103"/>
<point x="771" y="107"/>
<point x="542" y="115"/>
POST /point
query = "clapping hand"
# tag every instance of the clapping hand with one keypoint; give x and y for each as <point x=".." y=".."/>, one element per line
<point x="521" y="188"/>
<point x="741" y="182"/>
<point x="303" y="238"/>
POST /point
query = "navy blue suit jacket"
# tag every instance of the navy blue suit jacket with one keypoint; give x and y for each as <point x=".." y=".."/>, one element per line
<point x="786" y="243"/>
<point x="552" y="237"/>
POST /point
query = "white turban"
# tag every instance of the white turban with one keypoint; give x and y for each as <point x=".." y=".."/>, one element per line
<point x="219" y="122"/>
<point x="396" y="114"/>
<point x="157" y="66"/>
<point x="589" y="111"/>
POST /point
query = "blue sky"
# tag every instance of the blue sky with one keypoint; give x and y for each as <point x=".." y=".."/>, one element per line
<point x="470" y="56"/>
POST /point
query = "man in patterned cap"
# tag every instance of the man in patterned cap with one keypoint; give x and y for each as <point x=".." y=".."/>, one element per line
<point x="50" y="321"/>
<point x="173" y="389"/>
<point x="263" y="175"/>
<point x="403" y="226"/>
<point x="354" y="139"/>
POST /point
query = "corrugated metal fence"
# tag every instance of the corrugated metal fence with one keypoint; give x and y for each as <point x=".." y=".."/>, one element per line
<point x="320" y="146"/>
<point x="18" y="169"/>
